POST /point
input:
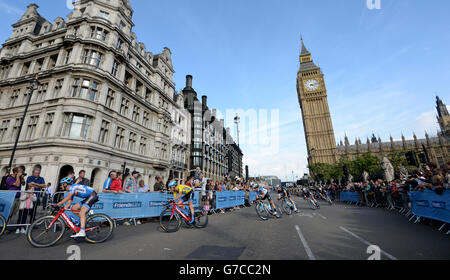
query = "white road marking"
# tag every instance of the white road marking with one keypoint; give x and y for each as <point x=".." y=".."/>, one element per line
<point x="305" y="244"/>
<point x="367" y="243"/>
<point x="322" y="216"/>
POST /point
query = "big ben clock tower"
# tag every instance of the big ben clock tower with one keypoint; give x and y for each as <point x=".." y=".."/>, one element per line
<point x="312" y="94"/>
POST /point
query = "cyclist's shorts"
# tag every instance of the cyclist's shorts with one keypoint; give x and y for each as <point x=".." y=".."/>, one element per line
<point x="188" y="197"/>
<point x="267" y="196"/>
<point x="306" y="195"/>
<point x="90" y="200"/>
<point x="285" y="194"/>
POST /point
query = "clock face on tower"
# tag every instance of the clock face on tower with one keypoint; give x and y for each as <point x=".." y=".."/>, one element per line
<point x="312" y="85"/>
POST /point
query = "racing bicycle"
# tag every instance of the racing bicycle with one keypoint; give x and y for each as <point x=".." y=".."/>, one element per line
<point x="2" y="225"/>
<point x="48" y="230"/>
<point x="264" y="210"/>
<point x="171" y="218"/>
<point x="314" y="205"/>
<point x="286" y="205"/>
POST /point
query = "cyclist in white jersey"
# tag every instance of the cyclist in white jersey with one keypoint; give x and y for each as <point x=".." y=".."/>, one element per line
<point x="90" y="198"/>
<point x="263" y="194"/>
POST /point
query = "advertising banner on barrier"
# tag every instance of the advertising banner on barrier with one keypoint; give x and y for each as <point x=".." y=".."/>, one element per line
<point x="6" y="203"/>
<point x="139" y="205"/>
<point x="229" y="199"/>
<point x="350" y="196"/>
<point x="428" y="204"/>
<point x="252" y="196"/>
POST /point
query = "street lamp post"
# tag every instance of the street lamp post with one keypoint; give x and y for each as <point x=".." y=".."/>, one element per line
<point x="237" y="120"/>
<point x="34" y="83"/>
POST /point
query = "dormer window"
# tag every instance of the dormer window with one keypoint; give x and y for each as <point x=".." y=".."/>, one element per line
<point x="104" y="15"/>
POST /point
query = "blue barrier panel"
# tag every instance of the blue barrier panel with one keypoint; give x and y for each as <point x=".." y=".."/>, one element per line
<point x="139" y="205"/>
<point x="428" y="204"/>
<point x="329" y="194"/>
<point x="252" y="196"/>
<point x="6" y="203"/>
<point x="229" y="199"/>
<point x="350" y="196"/>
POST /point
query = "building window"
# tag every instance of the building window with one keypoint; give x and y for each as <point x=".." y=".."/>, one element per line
<point x="32" y="127"/>
<point x="14" y="97"/>
<point x="143" y="146"/>
<point x="146" y="119"/>
<point x="85" y="89"/>
<point x="119" y="44"/>
<point x="67" y="57"/>
<point x="120" y="134"/>
<point x="110" y="98"/>
<point x="98" y="33"/>
<point x="132" y="142"/>
<point x="77" y="125"/>
<point x="16" y="128"/>
<point x="39" y="64"/>
<point x="124" y="107"/>
<point x="115" y="68"/>
<point x="4" y="129"/>
<point x="41" y="92"/>
<point x="121" y="25"/>
<point x="25" y="68"/>
<point x="136" y="113"/>
<point x="92" y="57"/>
<point x="104" y="132"/>
<point x="48" y="123"/>
<point x="58" y="87"/>
<point x="52" y="62"/>
<point x="104" y="15"/>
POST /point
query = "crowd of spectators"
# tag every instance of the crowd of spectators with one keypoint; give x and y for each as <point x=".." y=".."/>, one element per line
<point x="395" y="194"/>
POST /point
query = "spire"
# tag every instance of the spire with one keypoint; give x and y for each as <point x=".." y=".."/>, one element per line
<point x="441" y="108"/>
<point x="304" y="49"/>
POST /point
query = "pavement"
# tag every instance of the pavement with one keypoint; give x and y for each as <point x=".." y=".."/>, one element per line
<point x="338" y="232"/>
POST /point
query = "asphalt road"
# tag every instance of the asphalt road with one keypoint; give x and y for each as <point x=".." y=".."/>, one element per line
<point x="339" y="232"/>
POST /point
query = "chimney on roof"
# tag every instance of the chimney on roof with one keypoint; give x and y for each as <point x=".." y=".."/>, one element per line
<point x="189" y="81"/>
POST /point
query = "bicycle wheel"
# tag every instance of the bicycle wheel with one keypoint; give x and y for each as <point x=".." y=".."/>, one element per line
<point x="40" y="235"/>
<point x="168" y="222"/>
<point x="261" y="211"/>
<point x="286" y="207"/>
<point x="312" y="204"/>
<point x="201" y="219"/>
<point x="279" y="211"/>
<point x="99" y="228"/>
<point x="2" y="225"/>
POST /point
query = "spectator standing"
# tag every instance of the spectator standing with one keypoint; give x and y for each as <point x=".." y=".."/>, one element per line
<point x="14" y="183"/>
<point x="3" y="182"/>
<point x="82" y="180"/>
<point x="159" y="185"/>
<point x="116" y="185"/>
<point x="36" y="182"/>
<point x="190" y="181"/>
<point x="108" y="182"/>
<point x="131" y="184"/>
<point x="48" y="195"/>
<point x="26" y="207"/>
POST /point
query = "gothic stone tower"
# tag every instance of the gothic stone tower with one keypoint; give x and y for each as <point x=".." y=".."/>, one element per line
<point x="312" y="95"/>
<point x="443" y="117"/>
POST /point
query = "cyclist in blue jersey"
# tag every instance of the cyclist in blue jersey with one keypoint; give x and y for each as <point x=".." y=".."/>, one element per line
<point x="263" y="194"/>
<point x="284" y="193"/>
<point x="87" y="193"/>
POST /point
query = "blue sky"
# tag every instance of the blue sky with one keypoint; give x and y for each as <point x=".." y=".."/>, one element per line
<point x="383" y="67"/>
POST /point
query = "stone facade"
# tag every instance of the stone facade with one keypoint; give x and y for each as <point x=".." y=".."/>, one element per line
<point x="210" y="140"/>
<point x="103" y="99"/>
<point x="312" y="94"/>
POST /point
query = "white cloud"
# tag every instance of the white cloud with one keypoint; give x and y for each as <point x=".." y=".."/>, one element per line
<point x="10" y="9"/>
<point x="427" y="122"/>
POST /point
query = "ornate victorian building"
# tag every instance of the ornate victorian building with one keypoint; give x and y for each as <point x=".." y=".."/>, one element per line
<point x="103" y="99"/>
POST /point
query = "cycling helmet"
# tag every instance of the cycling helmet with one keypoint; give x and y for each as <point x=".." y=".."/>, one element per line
<point x="172" y="184"/>
<point x="66" y="180"/>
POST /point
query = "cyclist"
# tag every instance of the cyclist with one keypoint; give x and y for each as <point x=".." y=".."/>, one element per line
<point x="307" y="194"/>
<point x="87" y="193"/>
<point x="263" y="194"/>
<point x="184" y="193"/>
<point x="282" y="193"/>
<point x="323" y="193"/>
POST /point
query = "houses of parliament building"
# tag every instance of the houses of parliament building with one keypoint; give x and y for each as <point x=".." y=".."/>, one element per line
<point x="319" y="132"/>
